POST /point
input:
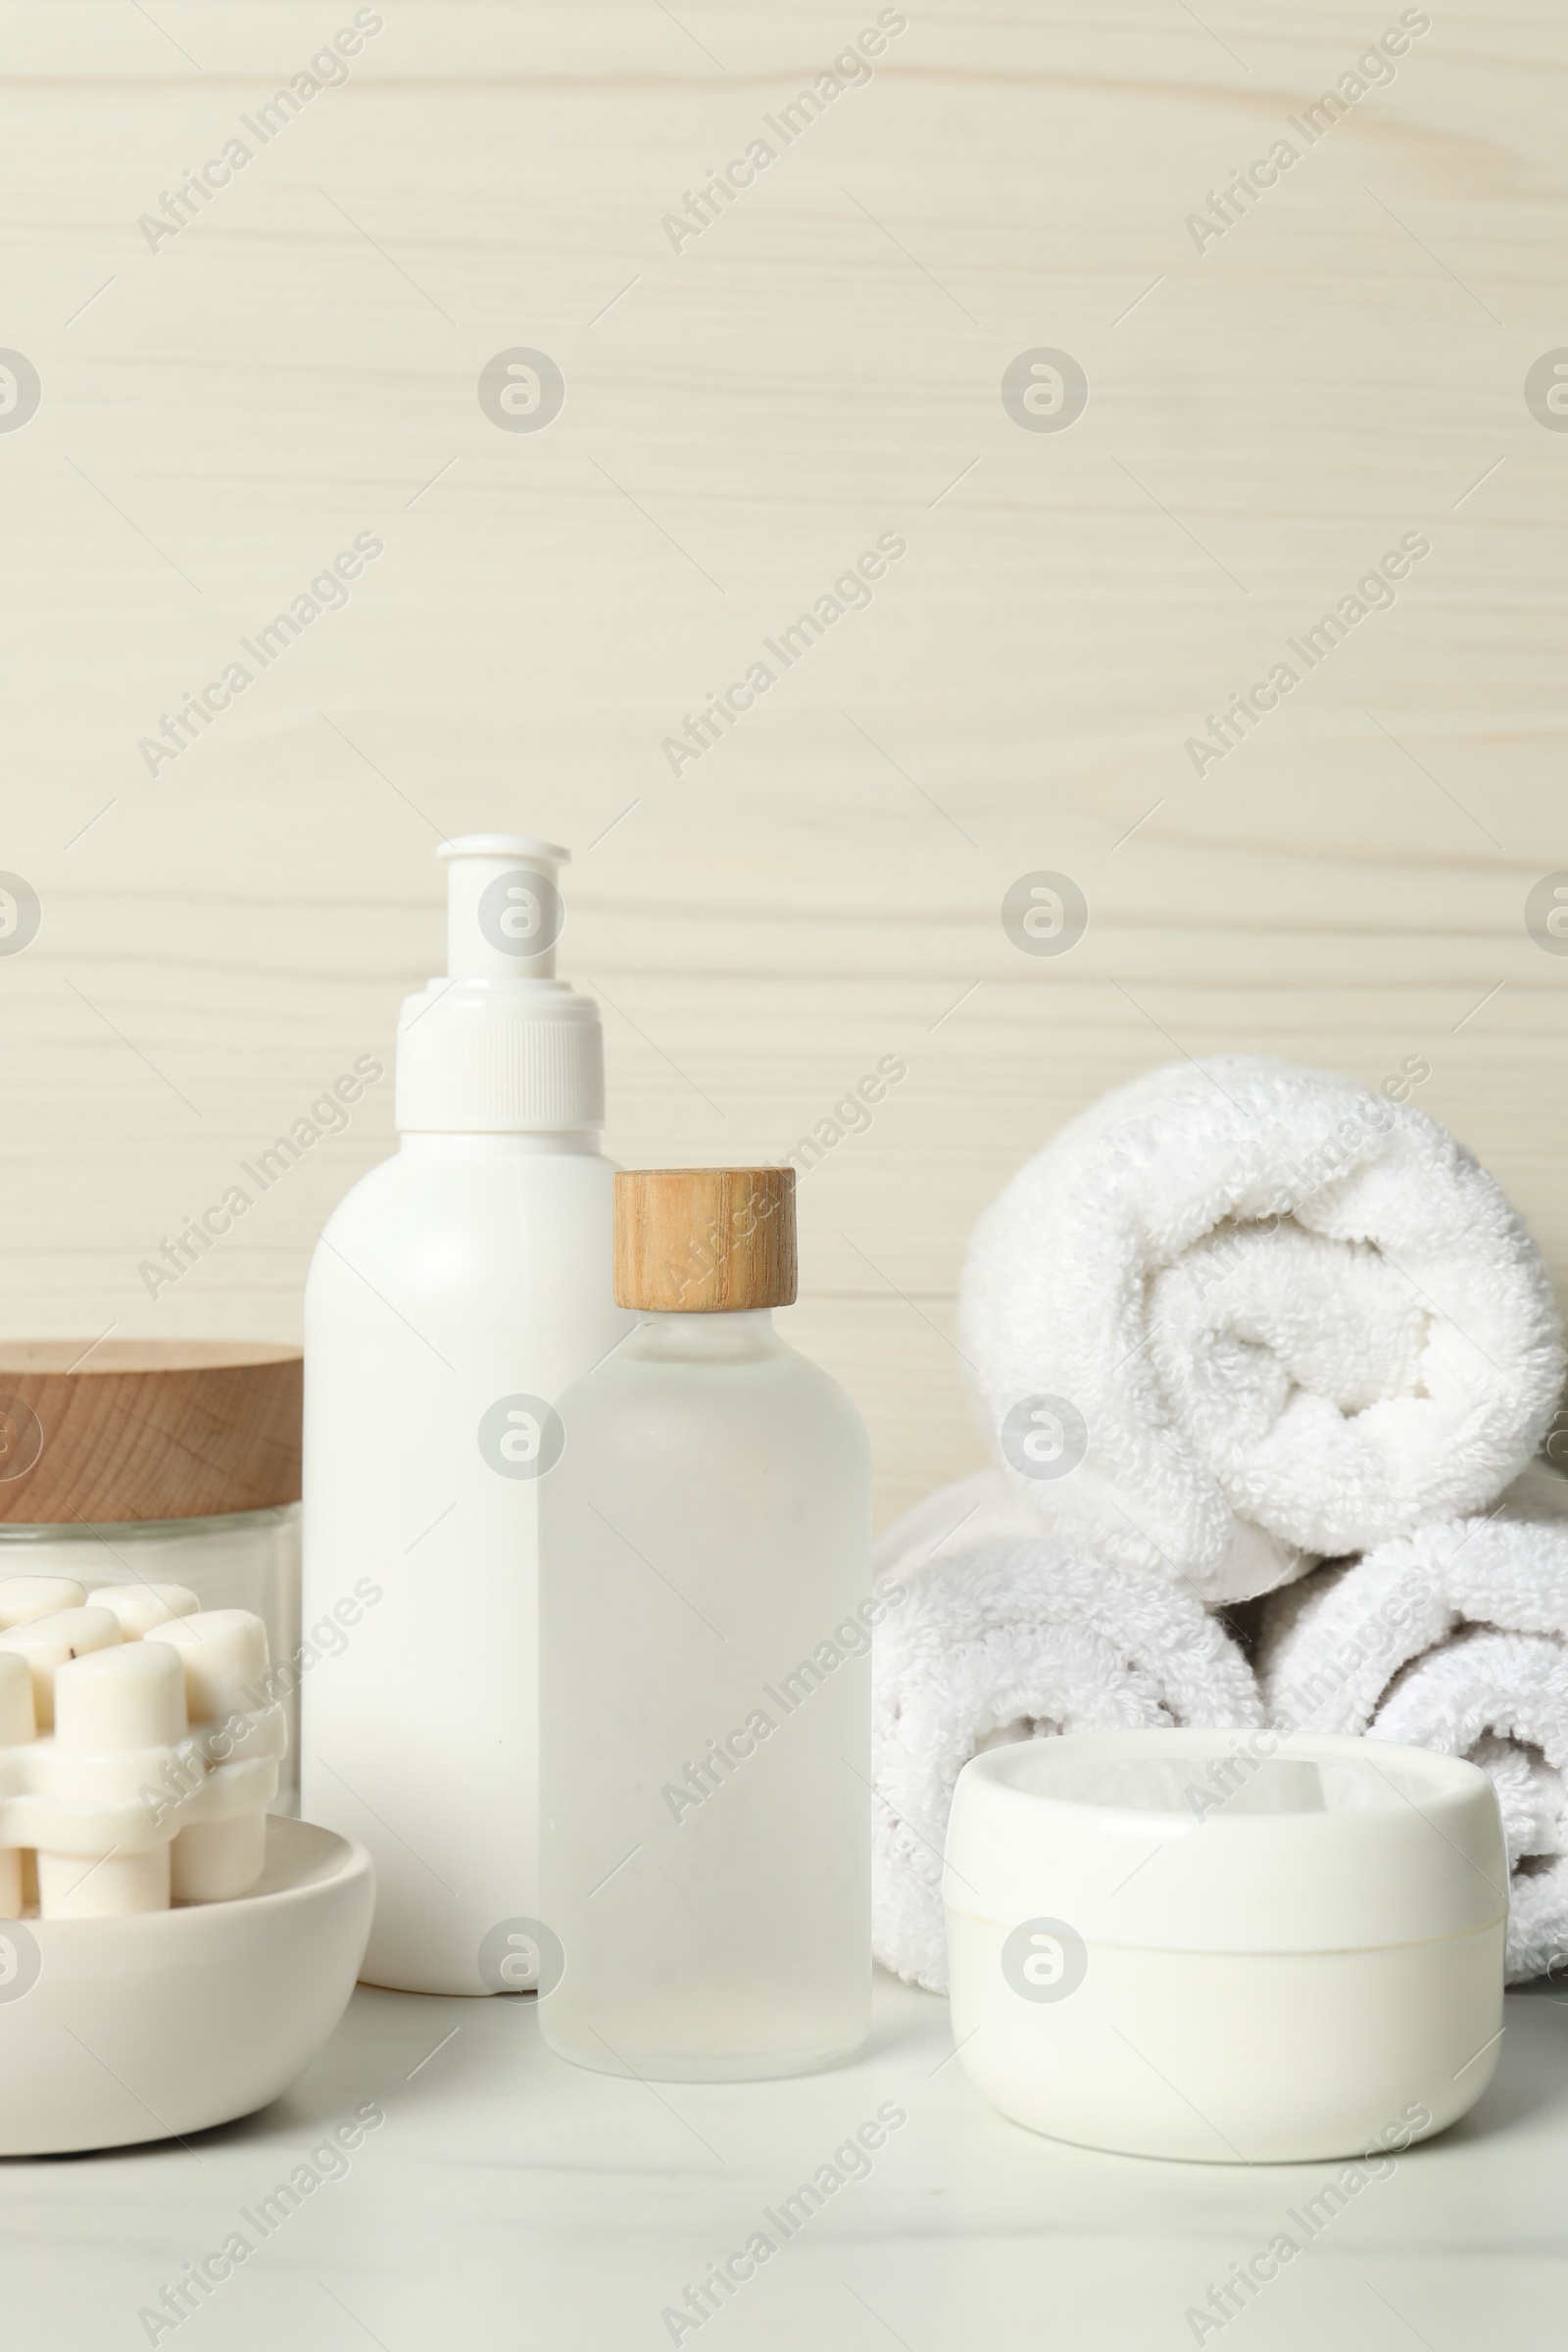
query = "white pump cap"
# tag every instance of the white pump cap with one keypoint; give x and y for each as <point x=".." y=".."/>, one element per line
<point x="500" y="1045"/>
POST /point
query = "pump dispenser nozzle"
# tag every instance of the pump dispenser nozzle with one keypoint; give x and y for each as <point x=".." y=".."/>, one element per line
<point x="504" y="910"/>
<point x="500" y="1045"/>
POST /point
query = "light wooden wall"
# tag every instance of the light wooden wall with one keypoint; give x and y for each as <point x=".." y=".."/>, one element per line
<point x="220" y="417"/>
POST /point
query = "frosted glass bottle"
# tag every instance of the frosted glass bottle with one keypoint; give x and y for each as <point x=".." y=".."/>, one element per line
<point x="706" y="1682"/>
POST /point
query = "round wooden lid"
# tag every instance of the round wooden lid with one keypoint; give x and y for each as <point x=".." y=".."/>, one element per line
<point x="146" y="1429"/>
<point x="704" y="1241"/>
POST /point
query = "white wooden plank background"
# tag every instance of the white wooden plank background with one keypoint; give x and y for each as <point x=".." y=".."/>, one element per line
<point x="225" y="414"/>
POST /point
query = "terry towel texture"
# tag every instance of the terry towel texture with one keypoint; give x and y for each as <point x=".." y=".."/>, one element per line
<point x="1454" y="1638"/>
<point x="1006" y="1637"/>
<point x="1287" y="1318"/>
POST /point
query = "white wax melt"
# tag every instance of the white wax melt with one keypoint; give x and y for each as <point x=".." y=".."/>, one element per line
<point x="133" y="1771"/>
<point x="1228" y="1947"/>
<point x="24" y="1597"/>
<point x="50" y="1643"/>
<point x="138" y="1608"/>
<point x="222" y="1654"/>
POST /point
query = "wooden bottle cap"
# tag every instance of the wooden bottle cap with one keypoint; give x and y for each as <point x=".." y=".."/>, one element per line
<point x="704" y="1241"/>
<point x="146" y="1429"/>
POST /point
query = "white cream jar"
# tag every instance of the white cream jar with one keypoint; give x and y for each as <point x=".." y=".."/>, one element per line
<point x="1226" y="1946"/>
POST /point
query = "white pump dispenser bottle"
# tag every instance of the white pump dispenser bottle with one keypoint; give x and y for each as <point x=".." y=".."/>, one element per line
<point x="455" y="1292"/>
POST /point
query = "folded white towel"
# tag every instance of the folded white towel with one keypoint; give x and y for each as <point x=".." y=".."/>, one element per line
<point x="1456" y="1638"/>
<point x="1241" y="1315"/>
<point x="999" y="1637"/>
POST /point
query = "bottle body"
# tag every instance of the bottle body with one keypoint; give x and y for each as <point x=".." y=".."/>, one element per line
<point x="706" y="1709"/>
<point x="457" y="1281"/>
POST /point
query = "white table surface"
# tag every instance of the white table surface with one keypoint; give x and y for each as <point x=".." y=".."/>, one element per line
<point x="510" y="2200"/>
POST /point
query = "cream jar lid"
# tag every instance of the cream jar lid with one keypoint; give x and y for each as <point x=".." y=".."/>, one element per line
<point x="1227" y="1841"/>
<point x="100" y="1431"/>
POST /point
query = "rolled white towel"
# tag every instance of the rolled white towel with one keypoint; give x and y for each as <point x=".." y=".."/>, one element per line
<point x="1240" y="1316"/>
<point x="1456" y="1638"/>
<point x="999" y="1637"/>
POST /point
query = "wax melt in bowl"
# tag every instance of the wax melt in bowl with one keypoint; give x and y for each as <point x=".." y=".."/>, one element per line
<point x="115" y="2030"/>
<point x="1226" y="1946"/>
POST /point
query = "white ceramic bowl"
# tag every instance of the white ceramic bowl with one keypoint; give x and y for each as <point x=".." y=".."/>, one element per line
<point x="114" y="2031"/>
<point x="1232" y="1946"/>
